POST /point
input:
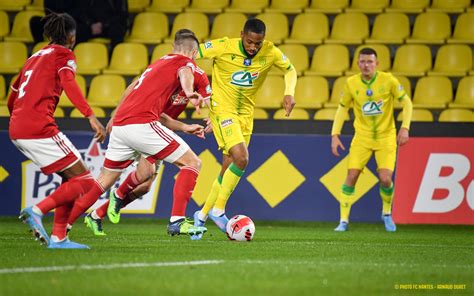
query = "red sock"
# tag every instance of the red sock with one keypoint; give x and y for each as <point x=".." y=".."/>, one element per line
<point x="61" y="215"/>
<point x="67" y="192"/>
<point x="183" y="189"/>
<point x="102" y="210"/>
<point x="128" y="185"/>
<point x="85" y="201"/>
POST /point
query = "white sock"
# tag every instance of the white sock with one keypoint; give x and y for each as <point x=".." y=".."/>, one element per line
<point x="175" y="218"/>
<point x="94" y="215"/>
<point x="202" y="217"/>
<point x="217" y="212"/>
<point x="37" y="211"/>
<point x="55" y="239"/>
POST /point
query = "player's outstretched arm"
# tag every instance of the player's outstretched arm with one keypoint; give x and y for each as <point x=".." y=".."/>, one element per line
<point x="290" y="85"/>
<point x="177" y="125"/>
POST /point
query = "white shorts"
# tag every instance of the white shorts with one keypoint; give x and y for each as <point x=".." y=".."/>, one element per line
<point x="52" y="155"/>
<point x="152" y="140"/>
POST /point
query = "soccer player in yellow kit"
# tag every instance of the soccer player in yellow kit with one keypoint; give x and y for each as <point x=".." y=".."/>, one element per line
<point x="240" y="66"/>
<point x="372" y="94"/>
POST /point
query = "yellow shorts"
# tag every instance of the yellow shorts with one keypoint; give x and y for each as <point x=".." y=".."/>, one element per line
<point x="362" y="147"/>
<point x="231" y="129"/>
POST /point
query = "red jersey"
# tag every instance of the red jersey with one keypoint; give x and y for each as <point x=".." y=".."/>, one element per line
<point x="35" y="93"/>
<point x="158" y="82"/>
<point x="178" y="101"/>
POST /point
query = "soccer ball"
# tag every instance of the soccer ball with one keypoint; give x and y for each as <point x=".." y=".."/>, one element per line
<point x="240" y="228"/>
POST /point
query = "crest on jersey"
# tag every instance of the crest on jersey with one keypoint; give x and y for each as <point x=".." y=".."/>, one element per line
<point x="244" y="78"/>
<point x="371" y="108"/>
<point x="208" y="45"/>
<point x="178" y="99"/>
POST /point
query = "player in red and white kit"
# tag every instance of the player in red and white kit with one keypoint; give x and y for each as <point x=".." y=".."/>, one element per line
<point x="175" y="105"/>
<point x="137" y="128"/>
<point x="33" y="130"/>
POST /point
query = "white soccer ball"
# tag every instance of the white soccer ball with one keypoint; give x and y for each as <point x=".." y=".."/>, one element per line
<point x="240" y="228"/>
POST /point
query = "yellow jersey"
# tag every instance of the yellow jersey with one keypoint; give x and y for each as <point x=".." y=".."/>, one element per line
<point x="236" y="77"/>
<point x="373" y="103"/>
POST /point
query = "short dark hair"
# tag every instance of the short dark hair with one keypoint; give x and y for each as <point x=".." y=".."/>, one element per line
<point x="368" y="51"/>
<point x="185" y="34"/>
<point x="255" y="25"/>
<point x="58" y="27"/>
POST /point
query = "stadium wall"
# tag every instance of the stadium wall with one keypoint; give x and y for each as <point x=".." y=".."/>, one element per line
<point x="290" y="177"/>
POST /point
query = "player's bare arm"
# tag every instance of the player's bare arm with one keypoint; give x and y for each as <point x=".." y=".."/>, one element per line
<point x="290" y="85"/>
<point x="336" y="144"/>
<point x="403" y="136"/>
<point x="177" y="125"/>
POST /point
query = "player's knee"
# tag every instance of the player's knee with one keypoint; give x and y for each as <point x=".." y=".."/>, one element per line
<point x="386" y="181"/>
<point x="241" y="161"/>
<point x="195" y="162"/>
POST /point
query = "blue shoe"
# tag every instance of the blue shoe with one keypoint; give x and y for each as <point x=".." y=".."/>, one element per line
<point x="35" y="223"/>
<point x="389" y="224"/>
<point x="343" y="226"/>
<point x="66" y="244"/>
<point x="221" y="221"/>
<point x="197" y="223"/>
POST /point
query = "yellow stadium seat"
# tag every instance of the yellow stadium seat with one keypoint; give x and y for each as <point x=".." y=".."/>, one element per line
<point x="59" y="112"/>
<point x="296" y="114"/>
<point x="207" y="6"/>
<point x="454" y="60"/>
<point x="3" y="97"/>
<point x="36" y="5"/>
<point x="433" y="92"/>
<point x="39" y="46"/>
<point x="367" y="6"/>
<point x="390" y="28"/>
<point x="277" y="26"/>
<point x="349" y="28"/>
<point x="287" y="6"/>
<point x="12" y="57"/>
<point x="464" y="94"/>
<point x="412" y="60"/>
<point x="329" y="60"/>
<point x="298" y="55"/>
<point x="456" y="115"/>
<point x="91" y="57"/>
<point x="135" y="6"/>
<point x="270" y="94"/>
<point x="327" y="6"/>
<point x="106" y="90"/>
<point x="4" y="111"/>
<point x="128" y="59"/>
<point x="182" y="115"/>
<point x="99" y="113"/>
<point x="206" y="65"/>
<point x="464" y="29"/>
<point x="309" y="28"/>
<point x="336" y="92"/>
<point x="4" y="24"/>
<point x="195" y="21"/>
<point x="247" y="6"/>
<point x="228" y="24"/>
<point x="64" y="100"/>
<point x="13" y="5"/>
<point x="311" y="92"/>
<point x="328" y="114"/>
<point x="21" y="26"/>
<point x="168" y="6"/>
<point x="383" y="56"/>
<point x="405" y="82"/>
<point x="259" y="113"/>
<point x="421" y="115"/>
<point x="203" y="113"/>
<point x="161" y="50"/>
<point x="430" y="28"/>
<point x="149" y="28"/>
<point x="449" y="6"/>
<point x="408" y="6"/>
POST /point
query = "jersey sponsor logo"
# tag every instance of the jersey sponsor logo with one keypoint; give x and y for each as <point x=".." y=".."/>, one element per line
<point x="372" y="108"/>
<point x="226" y="122"/>
<point x="284" y="58"/>
<point x="244" y="78"/>
<point x="208" y="45"/>
<point x="400" y="87"/>
<point x="177" y="99"/>
<point x="43" y="52"/>
<point x="72" y="64"/>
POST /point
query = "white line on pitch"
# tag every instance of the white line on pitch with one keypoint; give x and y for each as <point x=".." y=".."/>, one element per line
<point x="106" y="266"/>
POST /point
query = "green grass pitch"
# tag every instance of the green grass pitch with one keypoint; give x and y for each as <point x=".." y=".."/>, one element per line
<point x="285" y="258"/>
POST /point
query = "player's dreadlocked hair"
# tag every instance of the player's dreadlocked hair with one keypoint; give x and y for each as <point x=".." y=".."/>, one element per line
<point x="58" y="27"/>
<point x="255" y="25"/>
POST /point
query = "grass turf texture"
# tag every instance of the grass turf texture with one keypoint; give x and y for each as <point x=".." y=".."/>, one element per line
<point x="285" y="258"/>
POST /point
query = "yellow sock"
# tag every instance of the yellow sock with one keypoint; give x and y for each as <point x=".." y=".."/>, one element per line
<point x="387" y="197"/>
<point x="211" y="198"/>
<point x="346" y="202"/>
<point x="229" y="182"/>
